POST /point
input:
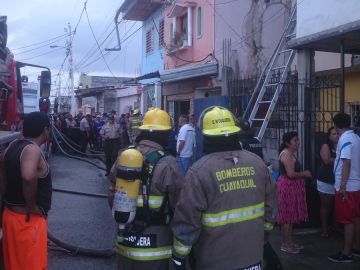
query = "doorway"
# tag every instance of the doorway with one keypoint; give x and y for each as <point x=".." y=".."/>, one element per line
<point x="177" y="108"/>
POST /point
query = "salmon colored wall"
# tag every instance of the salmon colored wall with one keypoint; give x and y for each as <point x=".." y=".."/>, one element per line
<point x="201" y="46"/>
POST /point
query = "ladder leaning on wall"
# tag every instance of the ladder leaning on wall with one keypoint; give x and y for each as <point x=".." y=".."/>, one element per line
<point x="267" y="91"/>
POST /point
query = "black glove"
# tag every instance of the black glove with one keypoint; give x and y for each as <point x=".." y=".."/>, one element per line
<point x="178" y="263"/>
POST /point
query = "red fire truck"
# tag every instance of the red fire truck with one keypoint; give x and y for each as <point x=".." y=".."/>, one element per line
<point x="11" y="94"/>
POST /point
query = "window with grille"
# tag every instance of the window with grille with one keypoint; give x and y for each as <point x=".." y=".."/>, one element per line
<point x="161" y="33"/>
<point x="149" y="41"/>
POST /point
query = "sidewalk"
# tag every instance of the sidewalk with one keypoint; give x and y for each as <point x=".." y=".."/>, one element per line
<point x="314" y="255"/>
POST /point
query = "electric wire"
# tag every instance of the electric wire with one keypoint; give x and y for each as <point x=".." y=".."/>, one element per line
<point x="97" y="42"/>
<point x="39" y="47"/>
<point x="266" y="24"/>
<point x="225" y="21"/>
<point x="91" y="51"/>
<point x="39" y="55"/>
<point x="97" y="59"/>
<point x="38" y="43"/>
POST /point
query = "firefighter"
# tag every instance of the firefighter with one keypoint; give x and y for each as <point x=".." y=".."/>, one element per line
<point x="146" y="242"/>
<point x="135" y="123"/>
<point x="228" y="201"/>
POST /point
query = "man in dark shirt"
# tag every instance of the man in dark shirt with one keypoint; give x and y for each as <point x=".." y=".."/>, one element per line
<point x="252" y="144"/>
<point x="26" y="187"/>
<point x="247" y="139"/>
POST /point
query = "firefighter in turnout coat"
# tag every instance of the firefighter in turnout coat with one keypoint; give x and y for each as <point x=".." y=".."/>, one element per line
<point x="148" y="240"/>
<point x="227" y="203"/>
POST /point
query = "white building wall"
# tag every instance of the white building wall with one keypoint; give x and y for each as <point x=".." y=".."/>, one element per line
<point x="314" y="16"/>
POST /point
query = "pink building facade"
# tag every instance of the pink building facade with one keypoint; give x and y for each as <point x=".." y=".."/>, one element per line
<point x="189" y="65"/>
<point x="209" y="41"/>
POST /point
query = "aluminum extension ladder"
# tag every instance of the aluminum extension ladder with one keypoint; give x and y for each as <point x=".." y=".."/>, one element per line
<point x="271" y="81"/>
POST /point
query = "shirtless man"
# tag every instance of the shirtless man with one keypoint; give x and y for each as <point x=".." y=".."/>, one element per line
<point x="26" y="187"/>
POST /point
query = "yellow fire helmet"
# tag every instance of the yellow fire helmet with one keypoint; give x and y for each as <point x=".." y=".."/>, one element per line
<point x="156" y="120"/>
<point x="217" y="121"/>
<point x="131" y="159"/>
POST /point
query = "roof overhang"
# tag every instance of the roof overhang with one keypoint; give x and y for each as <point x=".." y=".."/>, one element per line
<point x="178" y="8"/>
<point x="330" y="40"/>
<point x="90" y="92"/>
<point x="179" y="74"/>
<point x="139" y="10"/>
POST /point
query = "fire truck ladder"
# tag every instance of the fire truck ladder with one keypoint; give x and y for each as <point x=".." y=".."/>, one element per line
<point x="271" y="81"/>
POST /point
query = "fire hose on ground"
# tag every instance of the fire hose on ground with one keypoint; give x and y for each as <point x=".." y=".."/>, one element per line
<point x="66" y="247"/>
<point x="70" y="143"/>
<point x="75" y="157"/>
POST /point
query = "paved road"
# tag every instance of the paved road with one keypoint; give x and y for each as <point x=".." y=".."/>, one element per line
<point x="79" y="220"/>
<point x="87" y="222"/>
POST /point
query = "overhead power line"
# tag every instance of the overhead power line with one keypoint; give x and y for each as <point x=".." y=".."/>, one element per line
<point x="95" y="60"/>
<point x="38" y="43"/>
<point x="97" y="42"/>
<point x="39" y="47"/>
<point x="36" y="56"/>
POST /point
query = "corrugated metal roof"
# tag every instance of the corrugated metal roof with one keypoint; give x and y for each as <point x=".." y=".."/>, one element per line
<point x="329" y="40"/>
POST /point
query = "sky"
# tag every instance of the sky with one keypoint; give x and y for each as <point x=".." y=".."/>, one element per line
<point x="35" y="25"/>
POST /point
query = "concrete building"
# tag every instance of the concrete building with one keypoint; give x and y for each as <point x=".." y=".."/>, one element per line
<point x="330" y="29"/>
<point x="211" y="42"/>
<point x="104" y="94"/>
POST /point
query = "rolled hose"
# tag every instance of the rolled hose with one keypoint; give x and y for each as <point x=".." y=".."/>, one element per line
<point x="76" y="157"/>
<point x="97" y="253"/>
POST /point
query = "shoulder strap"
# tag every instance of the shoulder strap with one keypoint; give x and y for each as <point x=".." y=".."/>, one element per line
<point x="150" y="162"/>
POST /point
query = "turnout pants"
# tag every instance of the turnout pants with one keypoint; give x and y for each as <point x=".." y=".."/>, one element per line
<point x="124" y="263"/>
<point x="24" y="242"/>
<point x="111" y="149"/>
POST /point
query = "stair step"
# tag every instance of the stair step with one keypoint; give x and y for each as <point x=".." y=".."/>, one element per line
<point x="265" y="101"/>
<point x="291" y="36"/>
<point x="285" y="51"/>
<point x="259" y="119"/>
<point x="271" y="84"/>
<point x="280" y="67"/>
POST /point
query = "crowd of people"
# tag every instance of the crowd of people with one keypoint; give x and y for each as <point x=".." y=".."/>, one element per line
<point x="84" y="130"/>
<point x="204" y="214"/>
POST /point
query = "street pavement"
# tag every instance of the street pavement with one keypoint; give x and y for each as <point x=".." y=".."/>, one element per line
<point x="87" y="222"/>
<point x="80" y="220"/>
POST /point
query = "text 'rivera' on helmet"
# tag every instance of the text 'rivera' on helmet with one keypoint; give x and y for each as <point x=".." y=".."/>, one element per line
<point x="156" y="120"/>
<point x="217" y="121"/>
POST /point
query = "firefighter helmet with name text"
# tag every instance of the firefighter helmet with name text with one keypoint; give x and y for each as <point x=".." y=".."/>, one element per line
<point x="217" y="121"/>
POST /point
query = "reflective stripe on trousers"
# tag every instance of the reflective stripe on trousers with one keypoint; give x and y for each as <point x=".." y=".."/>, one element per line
<point x="144" y="254"/>
<point x="233" y="216"/>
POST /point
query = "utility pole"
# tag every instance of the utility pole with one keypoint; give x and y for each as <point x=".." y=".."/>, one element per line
<point x="58" y="94"/>
<point x="71" y="72"/>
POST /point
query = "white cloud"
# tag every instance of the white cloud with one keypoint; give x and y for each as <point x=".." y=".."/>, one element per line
<point x="34" y="21"/>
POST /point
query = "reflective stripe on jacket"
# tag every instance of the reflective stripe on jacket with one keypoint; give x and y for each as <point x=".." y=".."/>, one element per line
<point x="167" y="181"/>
